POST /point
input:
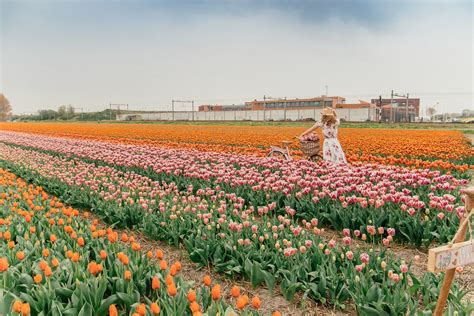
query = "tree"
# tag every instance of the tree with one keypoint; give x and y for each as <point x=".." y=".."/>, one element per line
<point x="70" y="112"/>
<point x="65" y="112"/>
<point x="431" y="111"/>
<point x="47" y="114"/>
<point x="5" y="108"/>
<point x="62" y="112"/>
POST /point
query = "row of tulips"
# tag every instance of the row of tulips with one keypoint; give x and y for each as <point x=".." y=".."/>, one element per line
<point x="450" y="150"/>
<point x="422" y="205"/>
<point x="218" y="229"/>
<point x="56" y="261"/>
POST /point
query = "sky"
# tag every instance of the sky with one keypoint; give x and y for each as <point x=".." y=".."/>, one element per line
<point x="90" y="53"/>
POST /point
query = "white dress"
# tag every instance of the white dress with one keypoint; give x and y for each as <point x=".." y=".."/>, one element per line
<point x="332" y="150"/>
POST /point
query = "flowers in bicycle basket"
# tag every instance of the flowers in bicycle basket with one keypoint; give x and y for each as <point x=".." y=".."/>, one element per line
<point x="311" y="137"/>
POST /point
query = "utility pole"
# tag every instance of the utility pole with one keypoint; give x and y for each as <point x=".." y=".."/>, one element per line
<point x="407" y="117"/>
<point x="264" y="108"/>
<point x="406" y="105"/>
<point x="110" y="112"/>
<point x="391" y="107"/>
<point x="326" y="90"/>
<point x="379" y="117"/>
<point x="284" y="109"/>
<point x="118" y="105"/>
<point x="192" y="104"/>
<point x="172" y="110"/>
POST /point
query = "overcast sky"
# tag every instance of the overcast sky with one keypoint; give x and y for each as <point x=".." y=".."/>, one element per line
<point x="146" y="53"/>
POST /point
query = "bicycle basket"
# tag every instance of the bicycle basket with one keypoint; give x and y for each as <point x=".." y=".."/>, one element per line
<point x="310" y="148"/>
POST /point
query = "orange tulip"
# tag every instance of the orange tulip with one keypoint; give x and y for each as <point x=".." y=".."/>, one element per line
<point x="124" y="237"/>
<point x="80" y="242"/>
<point x="141" y="309"/>
<point x="113" y="310"/>
<point x="3" y="264"/>
<point x="17" y="306"/>
<point x="173" y="270"/>
<point x="112" y="237"/>
<point x="48" y="272"/>
<point x="93" y="268"/>
<point x="127" y="275"/>
<point x="242" y="302"/>
<point x="172" y="291"/>
<point x="216" y="292"/>
<point x="163" y="265"/>
<point x="159" y="254"/>
<point x="53" y="238"/>
<point x="207" y="280"/>
<point x="191" y="296"/>
<point x="256" y="302"/>
<point x="55" y="262"/>
<point x="38" y="278"/>
<point x="155" y="283"/>
<point x="103" y="255"/>
<point x="75" y="257"/>
<point x="235" y="291"/>
<point x="25" y="309"/>
<point x="194" y="307"/>
<point x="136" y="246"/>
<point x="155" y="309"/>
<point x="42" y="265"/>
<point x="20" y="255"/>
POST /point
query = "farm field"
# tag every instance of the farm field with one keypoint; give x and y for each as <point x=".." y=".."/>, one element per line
<point x="333" y="235"/>
<point x="434" y="149"/>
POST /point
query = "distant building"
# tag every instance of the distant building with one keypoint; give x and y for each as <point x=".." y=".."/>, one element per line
<point x="396" y="109"/>
<point x="279" y="104"/>
<point x="290" y="104"/>
<point x="294" y="109"/>
<point x="360" y="105"/>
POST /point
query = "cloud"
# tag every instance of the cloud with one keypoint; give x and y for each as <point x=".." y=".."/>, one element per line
<point x="145" y="53"/>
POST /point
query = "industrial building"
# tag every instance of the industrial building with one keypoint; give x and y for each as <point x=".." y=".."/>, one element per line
<point x="278" y="104"/>
<point x="396" y="110"/>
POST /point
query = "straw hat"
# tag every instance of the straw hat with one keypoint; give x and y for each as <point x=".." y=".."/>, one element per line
<point x="328" y="111"/>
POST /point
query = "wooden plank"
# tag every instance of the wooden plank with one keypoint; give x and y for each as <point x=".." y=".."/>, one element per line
<point x="444" y="258"/>
<point x="459" y="238"/>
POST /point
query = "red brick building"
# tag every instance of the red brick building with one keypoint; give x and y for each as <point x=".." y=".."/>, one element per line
<point x="396" y="109"/>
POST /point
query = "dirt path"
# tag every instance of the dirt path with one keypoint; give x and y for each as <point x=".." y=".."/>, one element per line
<point x="272" y="301"/>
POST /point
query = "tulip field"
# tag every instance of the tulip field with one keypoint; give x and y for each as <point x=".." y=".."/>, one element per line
<point x="307" y="231"/>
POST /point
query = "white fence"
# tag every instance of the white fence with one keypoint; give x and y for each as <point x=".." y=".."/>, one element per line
<point x="350" y="115"/>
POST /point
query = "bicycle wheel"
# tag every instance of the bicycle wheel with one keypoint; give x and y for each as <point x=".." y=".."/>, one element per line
<point x="278" y="154"/>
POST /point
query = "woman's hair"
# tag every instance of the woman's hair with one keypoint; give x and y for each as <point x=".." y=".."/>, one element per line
<point x="328" y="119"/>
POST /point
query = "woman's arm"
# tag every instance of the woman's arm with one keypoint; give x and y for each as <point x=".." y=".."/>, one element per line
<point x="309" y="130"/>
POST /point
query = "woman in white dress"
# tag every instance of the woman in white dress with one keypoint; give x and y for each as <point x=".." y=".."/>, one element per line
<point x="332" y="150"/>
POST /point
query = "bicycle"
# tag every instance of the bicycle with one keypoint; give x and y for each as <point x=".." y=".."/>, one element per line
<point x="282" y="152"/>
<point x="310" y="150"/>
